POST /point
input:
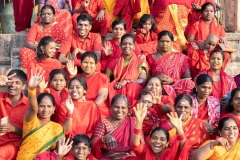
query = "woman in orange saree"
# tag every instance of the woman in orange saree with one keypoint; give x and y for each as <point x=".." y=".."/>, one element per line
<point x="172" y="15"/>
<point x="63" y="14"/>
<point x="127" y="72"/>
<point x="112" y="136"/>
<point x="46" y="27"/>
<point x="196" y="130"/>
<point x="171" y="67"/>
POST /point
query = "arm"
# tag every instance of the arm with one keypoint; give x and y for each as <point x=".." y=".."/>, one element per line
<point x="187" y="74"/>
<point x="5" y="128"/>
<point x="82" y="8"/>
<point x="63" y="59"/>
<point x="30" y="45"/>
<point x="98" y="54"/>
<point x="141" y="79"/>
<point x="34" y="81"/>
<point x="67" y="125"/>
<point x="39" y="8"/>
<point x="101" y="97"/>
<point x="190" y="37"/>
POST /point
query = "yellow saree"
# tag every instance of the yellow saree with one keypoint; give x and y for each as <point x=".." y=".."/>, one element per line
<point x="38" y="138"/>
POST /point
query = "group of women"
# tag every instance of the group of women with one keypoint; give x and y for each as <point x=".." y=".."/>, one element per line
<point x="144" y="104"/>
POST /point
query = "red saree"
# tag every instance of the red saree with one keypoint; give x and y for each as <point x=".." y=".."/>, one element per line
<point x="147" y="43"/>
<point x="35" y="34"/>
<point x="122" y="133"/>
<point x="174" y="65"/>
<point x="128" y="72"/>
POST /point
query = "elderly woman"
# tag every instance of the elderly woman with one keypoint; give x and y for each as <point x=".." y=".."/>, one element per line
<point x="227" y="146"/>
<point x="127" y="72"/>
<point x="46" y="27"/>
<point x="112" y="136"/>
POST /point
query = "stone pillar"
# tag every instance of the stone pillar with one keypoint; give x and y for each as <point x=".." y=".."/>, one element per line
<point x="232" y="15"/>
<point x="7" y="19"/>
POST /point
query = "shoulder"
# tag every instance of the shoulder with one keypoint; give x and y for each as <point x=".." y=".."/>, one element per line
<point x="94" y="36"/>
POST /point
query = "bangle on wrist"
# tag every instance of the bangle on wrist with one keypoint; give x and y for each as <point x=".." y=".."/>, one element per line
<point x="137" y="131"/>
<point x="31" y="91"/>
<point x="180" y="137"/>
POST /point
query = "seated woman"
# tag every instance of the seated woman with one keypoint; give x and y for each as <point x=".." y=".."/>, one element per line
<point x="46" y="27"/>
<point x="39" y="132"/>
<point x="127" y="72"/>
<point x="97" y="92"/>
<point x="227" y="146"/>
<point x="111" y="48"/>
<point x="171" y="67"/>
<point x="44" y="58"/>
<point x="86" y="113"/>
<point x="63" y="13"/>
<point x="159" y="138"/>
<point x="145" y="36"/>
<point x="196" y="130"/>
<point x="222" y="82"/>
<point x="205" y="107"/>
<point x="112" y="136"/>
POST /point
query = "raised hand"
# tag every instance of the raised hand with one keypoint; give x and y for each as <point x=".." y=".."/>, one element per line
<point x="86" y="3"/>
<point x="42" y="85"/>
<point x="72" y="70"/>
<point x="4" y="78"/>
<point x="110" y="141"/>
<point x="36" y="77"/>
<point x="64" y="146"/>
<point x="156" y="97"/>
<point x="70" y="105"/>
<point x="175" y="120"/>
<point x="107" y="49"/>
<point x="140" y="111"/>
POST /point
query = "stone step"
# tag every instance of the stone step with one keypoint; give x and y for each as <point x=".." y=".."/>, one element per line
<point x="15" y="58"/>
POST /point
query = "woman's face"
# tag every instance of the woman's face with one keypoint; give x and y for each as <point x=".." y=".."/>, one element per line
<point x="204" y="90"/>
<point x="58" y="82"/>
<point x="127" y="46"/>
<point x="230" y="131"/>
<point x="76" y="90"/>
<point x="49" y="50"/>
<point x="208" y="13"/>
<point x="47" y="16"/>
<point x="216" y="61"/>
<point x="154" y="84"/>
<point x="165" y="44"/>
<point x="236" y="101"/>
<point x="88" y="65"/>
<point x="119" y="31"/>
<point x="183" y="107"/>
<point x="158" y="142"/>
<point x="147" y="25"/>
<point x="45" y="108"/>
<point x="119" y="109"/>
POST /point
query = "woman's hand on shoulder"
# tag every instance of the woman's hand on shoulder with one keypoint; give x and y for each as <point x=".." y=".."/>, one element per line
<point x="36" y="77"/>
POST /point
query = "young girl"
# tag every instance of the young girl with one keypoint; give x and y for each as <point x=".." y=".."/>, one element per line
<point x="111" y="48"/>
<point x="145" y="36"/>
<point x="44" y="58"/>
<point x="58" y="82"/>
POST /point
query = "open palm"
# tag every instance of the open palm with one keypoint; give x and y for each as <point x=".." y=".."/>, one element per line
<point x="140" y="111"/>
<point x="71" y="68"/>
<point x="4" y="78"/>
<point x="69" y="105"/>
<point x="174" y="119"/>
<point x="36" y="77"/>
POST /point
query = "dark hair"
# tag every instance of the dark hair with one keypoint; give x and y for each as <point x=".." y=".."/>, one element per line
<point x="118" y="22"/>
<point x="202" y="78"/>
<point x="154" y="77"/>
<point x="89" y="54"/>
<point x="19" y="74"/>
<point x="143" y="93"/>
<point x="127" y="36"/>
<point x="54" y="72"/>
<point x="81" y="81"/>
<point x="42" y="95"/>
<point x="48" y="7"/>
<point x="160" y="129"/>
<point x="217" y="51"/>
<point x="81" y="138"/>
<point x="205" y="5"/>
<point x="43" y="42"/>
<point x="165" y="33"/>
<point x="183" y="96"/>
<point x="85" y="17"/>
<point x="144" y="19"/>
<point x="119" y="96"/>
<point x="229" y="107"/>
<point x="222" y="121"/>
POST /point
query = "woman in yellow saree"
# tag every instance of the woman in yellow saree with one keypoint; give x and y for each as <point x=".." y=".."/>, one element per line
<point x="226" y="147"/>
<point x="40" y="134"/>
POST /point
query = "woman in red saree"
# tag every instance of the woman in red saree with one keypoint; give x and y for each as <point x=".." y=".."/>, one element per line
<point x="112" y="136"/>
<point x="127" y="72"/>
<point x="172" y="15"/>
<point x="196" y="130"/>
<point x="44" y="58"/>
<point x="157" y="149"/>
<point x="206" y="25"/>
<point x="111" y="48"/>
<point x="171" y="67"/>
<point x="97" y="82"/>
<point x="46" y="27"/>
<point x="205" y="107"/>
<point x="63" y="15"/>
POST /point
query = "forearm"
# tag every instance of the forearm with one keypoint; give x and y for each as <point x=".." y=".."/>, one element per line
<point x="30" y="45"/>
<point x="139" y="81"/>
<point x="100" y="99"/>
<point x="201" y="152"/>
<point x="32" y="99"/>
<point x="136" y="138"/>
<point x="40" y="7"/>
<point x="79" y="10"/>
<point x="63" y="59"/>
<point x="67" y="126"/>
